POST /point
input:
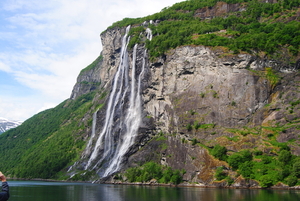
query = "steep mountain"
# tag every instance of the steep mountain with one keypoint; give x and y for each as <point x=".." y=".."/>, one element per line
<point x="6" y="124"/>
<point x="204" y="92"/>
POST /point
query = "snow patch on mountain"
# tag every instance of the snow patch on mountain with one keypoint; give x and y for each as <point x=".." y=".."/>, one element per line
<point x="6" y="124"/>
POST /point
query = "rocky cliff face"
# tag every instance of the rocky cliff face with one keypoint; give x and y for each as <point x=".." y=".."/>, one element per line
<point x="88" y="80"/>
<point x="221" y="8"/>
<point x="200" y="84"/>
<point x="199" y="94"/>
<point x="101" y="71"/>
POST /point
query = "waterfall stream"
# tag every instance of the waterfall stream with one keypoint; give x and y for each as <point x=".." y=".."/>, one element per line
<point x="89" y="145"/>
<point x="123" y="114"/>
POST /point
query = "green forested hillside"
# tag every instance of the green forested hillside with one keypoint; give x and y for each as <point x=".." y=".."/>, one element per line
<point x="47" y="142"/>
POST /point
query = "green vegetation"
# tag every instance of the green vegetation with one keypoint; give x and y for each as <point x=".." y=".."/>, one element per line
<point x="46" y="143"/>
<point x="272" y="77"/>
<point x="220" y="174"/>
<point x="189" y="127"/>
<point x="267" y="169"/>
<point x="195" y="141"/>
<point x="92" y="65"/>
<point x="237" y="159"/>
<point x="265" y="27"/>
<point x="151" y="170"/>
<point x="196" y="125"/>
<point x="219" y="152"/>
<point x="273" y="163"/>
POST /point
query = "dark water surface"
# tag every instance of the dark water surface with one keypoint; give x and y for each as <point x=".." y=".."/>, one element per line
<point x="59" y="191"/>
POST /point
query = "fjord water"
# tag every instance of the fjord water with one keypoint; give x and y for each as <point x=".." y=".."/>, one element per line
<point x="60" y="191"/>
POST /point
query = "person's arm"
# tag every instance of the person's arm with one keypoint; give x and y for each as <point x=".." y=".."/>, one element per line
<point x="4" y="195"/>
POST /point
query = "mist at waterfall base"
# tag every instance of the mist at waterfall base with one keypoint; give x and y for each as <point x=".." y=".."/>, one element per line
<point x="62" y="191"/>
<point x="123" y="114"/>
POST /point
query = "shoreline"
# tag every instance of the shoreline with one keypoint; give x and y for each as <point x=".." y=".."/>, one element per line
<point x="279" y="186"/>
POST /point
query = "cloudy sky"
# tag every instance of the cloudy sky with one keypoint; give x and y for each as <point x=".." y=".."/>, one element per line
<point x="45" y="43"/>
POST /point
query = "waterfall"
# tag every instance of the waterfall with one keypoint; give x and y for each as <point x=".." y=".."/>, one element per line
<point x="88" y="147"/>
<point x="149" y="34"/>
<point x="123" y="114"/>
<point x="117" y="89"/>
<point x="132" y="122"/>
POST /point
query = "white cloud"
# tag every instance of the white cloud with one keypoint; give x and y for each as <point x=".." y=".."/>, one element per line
<point x="45" y="106"/>
<point x="47" y="42"/>
<point x="19" y="107"/>
<point x="4" y="67"/>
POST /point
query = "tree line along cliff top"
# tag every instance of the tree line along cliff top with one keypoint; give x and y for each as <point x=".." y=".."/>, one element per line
<point x="269" y="28"/>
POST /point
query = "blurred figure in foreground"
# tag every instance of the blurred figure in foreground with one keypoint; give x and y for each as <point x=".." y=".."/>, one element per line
<point x="4" y="194"/>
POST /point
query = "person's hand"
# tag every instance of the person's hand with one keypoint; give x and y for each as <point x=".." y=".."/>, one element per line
<point x="2" y="177"/>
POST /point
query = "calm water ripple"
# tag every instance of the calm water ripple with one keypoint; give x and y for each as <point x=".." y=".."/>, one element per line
<point x="60" y="191"/>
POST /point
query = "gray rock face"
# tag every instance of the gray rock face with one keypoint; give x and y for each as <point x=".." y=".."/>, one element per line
<point x="215" y="90"/>
<point x="87" y="81"/>
<point x="104" y="67"/>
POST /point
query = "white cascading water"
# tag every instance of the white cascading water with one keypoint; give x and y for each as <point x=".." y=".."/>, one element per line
<point x="149" y="34"/>
<point x="115" y="138"/>
<point x="88" y="147"/>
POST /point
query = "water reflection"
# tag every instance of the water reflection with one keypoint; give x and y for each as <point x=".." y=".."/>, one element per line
<point x="46" y="191"/>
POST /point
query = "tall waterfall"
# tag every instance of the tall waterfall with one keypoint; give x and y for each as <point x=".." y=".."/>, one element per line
<point x="123" y="114"/>
<point x="89" y="145"/>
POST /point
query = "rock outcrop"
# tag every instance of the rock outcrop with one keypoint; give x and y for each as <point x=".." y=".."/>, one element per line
<point x="88" y="80"/>
<point x="220" y="9"/>
<point x="199" y="84"/>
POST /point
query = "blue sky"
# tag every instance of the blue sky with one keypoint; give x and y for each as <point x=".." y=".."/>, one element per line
<point x="45" y="43"/>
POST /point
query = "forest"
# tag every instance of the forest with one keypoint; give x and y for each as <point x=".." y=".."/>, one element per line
<point x="45" y="143"/>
